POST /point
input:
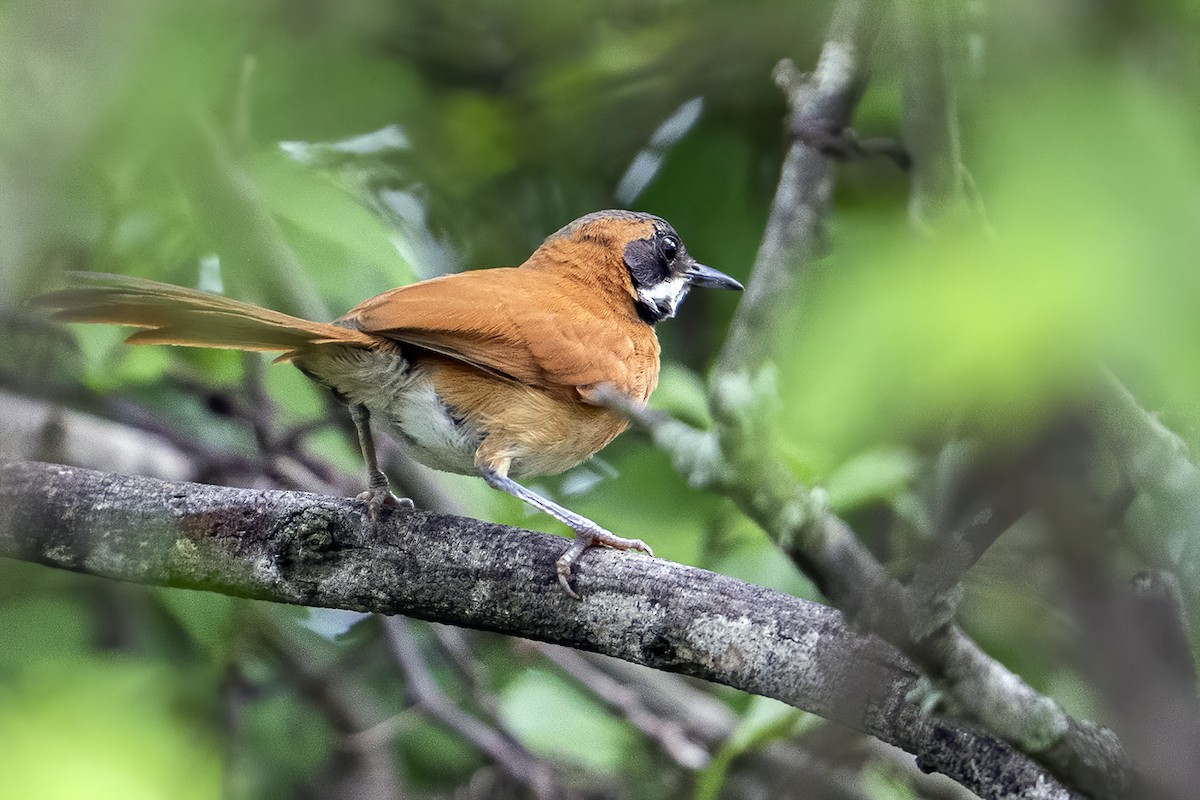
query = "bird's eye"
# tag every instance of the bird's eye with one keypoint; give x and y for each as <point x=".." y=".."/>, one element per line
<point x="669" y="248"/>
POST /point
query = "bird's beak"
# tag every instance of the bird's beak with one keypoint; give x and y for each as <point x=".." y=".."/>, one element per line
<point x="701" y="275"/>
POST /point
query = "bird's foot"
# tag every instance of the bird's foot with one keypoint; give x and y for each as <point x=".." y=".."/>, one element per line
<point x="587" y="533"/>
<point x="592" y="538"/>
<point x="379" y="496"/>
<point x="379" y="499"/>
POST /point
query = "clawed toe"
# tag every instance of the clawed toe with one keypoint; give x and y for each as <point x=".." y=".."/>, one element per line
<point x="640" y="546"/>
<point x="606" y="539"/>
<point x="582" y="542"/>
<point x="564" y="580"/>
<point x="402" y="503"/>
<point x="380" y="497"/>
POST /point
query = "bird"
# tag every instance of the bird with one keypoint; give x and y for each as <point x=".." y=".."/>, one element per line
<point x="499" y="373"/>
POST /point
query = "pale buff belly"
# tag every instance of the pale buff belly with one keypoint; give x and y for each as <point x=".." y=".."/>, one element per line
<point x="422" y="408"/>
<point x="402" y="403"/>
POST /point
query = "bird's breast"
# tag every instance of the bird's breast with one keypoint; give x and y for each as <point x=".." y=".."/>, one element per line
<point x="537" y="431"/>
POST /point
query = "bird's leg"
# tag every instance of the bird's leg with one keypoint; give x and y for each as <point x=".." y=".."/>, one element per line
<point x="378" y="493"/>
<point x="587" y="533"/>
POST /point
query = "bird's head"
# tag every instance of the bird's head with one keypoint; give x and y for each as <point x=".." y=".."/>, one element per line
<point x="659" y="268"/>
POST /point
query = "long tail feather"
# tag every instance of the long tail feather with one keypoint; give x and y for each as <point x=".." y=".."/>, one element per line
<point x="174" y="315"/>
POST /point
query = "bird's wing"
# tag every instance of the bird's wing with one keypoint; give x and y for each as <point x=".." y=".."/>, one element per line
<point x="515" y="323"/>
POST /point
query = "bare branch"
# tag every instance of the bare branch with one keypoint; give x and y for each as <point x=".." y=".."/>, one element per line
<point x="515" y="760"/>
<point x="821" y="105"/>
<point x="32" y="428"/>
<point x="738" y="458"/>
<point x="1164" y="520"/>
<point x="305" y="549"/>
<point x="668" y="735"/>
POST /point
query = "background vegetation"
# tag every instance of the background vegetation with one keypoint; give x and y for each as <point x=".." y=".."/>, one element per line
<point x="306" y="155"/>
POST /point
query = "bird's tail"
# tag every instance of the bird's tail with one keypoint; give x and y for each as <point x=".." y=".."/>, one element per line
<point x="174" y="315"/>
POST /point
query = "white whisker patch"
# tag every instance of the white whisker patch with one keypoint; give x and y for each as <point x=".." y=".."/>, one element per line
<point x="665" y="296"/>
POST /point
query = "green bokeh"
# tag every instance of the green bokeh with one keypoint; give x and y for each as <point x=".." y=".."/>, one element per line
<point x="222" y="141"/>
<point x="79" y="726"/>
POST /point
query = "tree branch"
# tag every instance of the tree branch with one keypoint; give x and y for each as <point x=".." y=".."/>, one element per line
<point x="738" y="458"/>
<point x="31" y="428"/>
<point x="426" y="695"/>
<point x="821" y="105"/>
<point x="1163" y="522"/>
<point x="305" y="549"/>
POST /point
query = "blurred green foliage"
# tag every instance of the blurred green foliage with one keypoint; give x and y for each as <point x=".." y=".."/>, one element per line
<point x="308" y="155"/>
<point x="1091" y="194"/>
<point x="555" y="719"/>
<point x="81" y="717"/>
<point x="765" y="720"/>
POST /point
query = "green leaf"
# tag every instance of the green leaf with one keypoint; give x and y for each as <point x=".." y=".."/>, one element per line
<point x="765" y="721"/>
<point x="555" y="720"/>
<point x="316" y="203"/>
<point x="878" y="474"/>
<point x="105" y="731"/>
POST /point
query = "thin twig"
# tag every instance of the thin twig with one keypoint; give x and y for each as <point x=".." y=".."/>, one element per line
<point x="371" y="771"/>
<point x="515" y="760"/>
<point x="456" y="644"/>
<point x="669" y="736"/>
